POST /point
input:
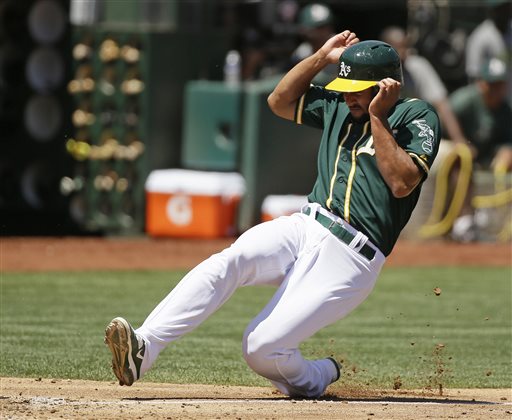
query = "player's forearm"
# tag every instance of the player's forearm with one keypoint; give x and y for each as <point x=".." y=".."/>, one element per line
<point x="294" y="84"/>
<point x="396" y="167"/>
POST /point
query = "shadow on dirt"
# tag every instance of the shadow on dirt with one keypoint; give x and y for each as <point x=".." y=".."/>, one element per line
<point x="330" y="398"/>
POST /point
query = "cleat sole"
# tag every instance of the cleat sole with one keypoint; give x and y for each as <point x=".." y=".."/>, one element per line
<point x="117" y="339"/>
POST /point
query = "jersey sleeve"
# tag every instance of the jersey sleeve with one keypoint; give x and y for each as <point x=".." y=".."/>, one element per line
<point x="420" y="135"/>
<point x="311" y="106"/>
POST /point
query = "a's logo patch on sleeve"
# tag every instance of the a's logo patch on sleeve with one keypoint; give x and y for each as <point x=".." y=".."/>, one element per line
<point x="427" y="134"/>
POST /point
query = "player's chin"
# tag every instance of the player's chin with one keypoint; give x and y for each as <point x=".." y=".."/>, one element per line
<point x="357" y="112"/>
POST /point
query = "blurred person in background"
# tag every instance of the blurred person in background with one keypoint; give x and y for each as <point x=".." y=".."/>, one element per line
<point x="265" y="48"/>
<point x="489" y="39"/>
<point x="316" y="25"/>
<point x="422" y="81"/>
<point x="492" y="38"/>
<point x="486" y="120"/>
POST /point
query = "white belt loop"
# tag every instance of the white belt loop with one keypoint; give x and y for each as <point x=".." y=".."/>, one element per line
<point x="358" y="242"/>
<point x="313" y="209"/>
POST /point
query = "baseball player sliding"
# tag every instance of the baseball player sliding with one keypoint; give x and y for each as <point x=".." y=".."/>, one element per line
<point x="375" y="152"/>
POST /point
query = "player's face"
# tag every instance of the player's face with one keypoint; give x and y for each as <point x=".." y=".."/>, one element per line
<point x="359" y="102"/>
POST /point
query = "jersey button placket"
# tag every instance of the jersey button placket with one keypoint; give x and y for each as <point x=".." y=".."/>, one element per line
<point x="341" y="189"/>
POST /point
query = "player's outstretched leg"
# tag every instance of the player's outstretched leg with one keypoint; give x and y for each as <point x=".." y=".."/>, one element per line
<point x="127" y="349"/>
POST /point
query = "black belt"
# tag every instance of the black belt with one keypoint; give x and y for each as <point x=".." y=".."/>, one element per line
<point x="341" y="233"/>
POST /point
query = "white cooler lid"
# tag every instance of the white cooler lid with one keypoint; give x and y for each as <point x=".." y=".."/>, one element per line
<point x="195" y="182"/>
<point x="277" y="205"/>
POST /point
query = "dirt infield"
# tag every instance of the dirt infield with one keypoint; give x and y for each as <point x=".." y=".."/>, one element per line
<point x="78" y="254"/>
<point x="46" y="398"/>
<point x="59" y="398"/>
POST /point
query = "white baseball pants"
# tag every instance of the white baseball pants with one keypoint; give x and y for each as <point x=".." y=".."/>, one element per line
<point x="320" y="280"/>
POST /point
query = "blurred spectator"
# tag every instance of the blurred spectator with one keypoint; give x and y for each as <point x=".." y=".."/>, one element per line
<point x="491" y="39"/>
<point x="266" y="48"/>
<point x="486" y="119"/>
<point x="254" y="53"/>
<point x="485" y="115"/>
<point x="422" y="81"/>
<point x="316" y="26"/>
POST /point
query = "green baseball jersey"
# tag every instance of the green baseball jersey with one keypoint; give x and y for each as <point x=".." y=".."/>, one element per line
<point x="349" y="183"/>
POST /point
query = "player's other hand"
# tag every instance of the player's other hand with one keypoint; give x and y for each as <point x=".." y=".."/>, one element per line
<point x="386" y="97"/>
<point x="334" y="46"/>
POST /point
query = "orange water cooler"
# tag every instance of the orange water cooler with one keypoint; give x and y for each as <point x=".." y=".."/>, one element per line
<point x="193" y="204"/>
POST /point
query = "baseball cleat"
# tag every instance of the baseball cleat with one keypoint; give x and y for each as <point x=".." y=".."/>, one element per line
<point x="127" y="349"/>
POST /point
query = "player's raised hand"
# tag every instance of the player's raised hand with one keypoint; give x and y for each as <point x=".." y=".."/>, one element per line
<point x="388" y="94"/>
<point x="334" y="46"/>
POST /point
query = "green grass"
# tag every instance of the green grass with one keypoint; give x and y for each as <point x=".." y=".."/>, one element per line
<point x="51" y="325"/>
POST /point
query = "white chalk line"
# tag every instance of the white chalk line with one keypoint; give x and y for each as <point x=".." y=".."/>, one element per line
<point x="41" y="401"/>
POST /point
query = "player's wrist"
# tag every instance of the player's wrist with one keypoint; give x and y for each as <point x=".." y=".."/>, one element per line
<point x="378" y="115"/>
<point x="321" y="58"/>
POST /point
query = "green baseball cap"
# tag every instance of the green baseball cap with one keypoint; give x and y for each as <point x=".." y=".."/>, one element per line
<point x="494" y="70"/>
<point x="364" y="64"/>
<point x="315" y="15"/>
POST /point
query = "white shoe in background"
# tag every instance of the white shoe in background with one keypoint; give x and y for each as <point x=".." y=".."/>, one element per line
<point x="464" y="229"/>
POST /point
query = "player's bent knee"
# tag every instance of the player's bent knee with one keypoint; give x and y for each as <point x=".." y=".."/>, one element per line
<point x="259" y="355"/>
<point x="267" y="357"/>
